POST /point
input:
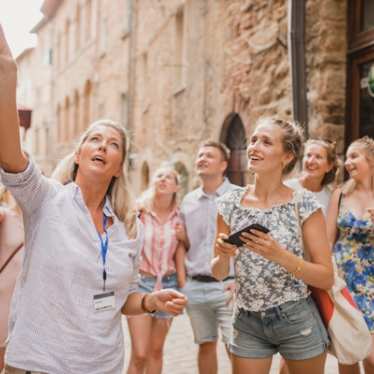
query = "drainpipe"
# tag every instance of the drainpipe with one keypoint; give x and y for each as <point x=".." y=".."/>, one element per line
<point x="296" y="42"/>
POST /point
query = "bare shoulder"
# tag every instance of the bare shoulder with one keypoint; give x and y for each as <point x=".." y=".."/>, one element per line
<point x="336" y="196"/>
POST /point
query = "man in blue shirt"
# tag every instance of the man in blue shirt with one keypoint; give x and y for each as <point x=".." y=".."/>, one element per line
<point x="209" y="300"/>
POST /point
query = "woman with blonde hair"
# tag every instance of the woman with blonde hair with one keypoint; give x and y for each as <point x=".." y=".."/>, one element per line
<point x="11" y="254"/>
<point x="319" y="169"/>
<point x="161" y="266"/>
<point x="351" y="231"/>
<point x="82" y="250"/>
<point x="273" y="309"/>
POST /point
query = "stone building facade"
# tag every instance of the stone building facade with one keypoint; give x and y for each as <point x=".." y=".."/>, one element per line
<point x="176" y="72"/>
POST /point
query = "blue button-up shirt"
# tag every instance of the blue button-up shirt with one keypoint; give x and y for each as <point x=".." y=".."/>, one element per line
<point x="199" y="212"/>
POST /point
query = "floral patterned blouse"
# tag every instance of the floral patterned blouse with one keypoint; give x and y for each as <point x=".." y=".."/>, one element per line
<point x="261" y="283"/>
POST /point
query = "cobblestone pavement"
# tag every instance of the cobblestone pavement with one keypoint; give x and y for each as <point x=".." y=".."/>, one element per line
<point x="180" y="352"/>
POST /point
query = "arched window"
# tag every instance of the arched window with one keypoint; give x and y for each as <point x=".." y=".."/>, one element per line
<point x="88" y="19"/>
<point x="58" y="52"/>
<point x="59" y="123"/>
<point x="184" y="177"/>
<point x="65" y="129"/>
<point x="76" y="127"/>
<point x="144" y="177"/>
<point x="87" y="106"/>
<point x="233" y="135"/>
<point x="77" y="28"/>
<point x="67" y="41"/>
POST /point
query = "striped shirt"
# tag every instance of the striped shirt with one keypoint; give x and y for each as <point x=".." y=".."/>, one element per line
<point x="160" y="244"/>
<point x="54" y="327"/>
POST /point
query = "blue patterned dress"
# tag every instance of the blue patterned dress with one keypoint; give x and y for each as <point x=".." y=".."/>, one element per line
<point x="354" y="255"/>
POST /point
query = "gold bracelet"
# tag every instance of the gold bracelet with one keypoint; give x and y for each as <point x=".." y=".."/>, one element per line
<point x="298" y="269"/>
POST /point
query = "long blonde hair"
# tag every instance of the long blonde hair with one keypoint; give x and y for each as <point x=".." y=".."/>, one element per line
<point x="146" y="199"/>
<point x="119" y="192"/>
<point x="367" y="144"/>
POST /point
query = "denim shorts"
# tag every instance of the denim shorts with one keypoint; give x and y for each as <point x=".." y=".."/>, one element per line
<point x="294" y="329"/>
<point x="147" y="285"/>
<point x="209" y="310"/>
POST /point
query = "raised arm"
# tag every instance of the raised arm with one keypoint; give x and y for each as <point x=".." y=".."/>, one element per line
<point x="11" y="157"/>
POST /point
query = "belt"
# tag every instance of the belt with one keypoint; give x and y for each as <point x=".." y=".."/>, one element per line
<point x="208" y="278"/>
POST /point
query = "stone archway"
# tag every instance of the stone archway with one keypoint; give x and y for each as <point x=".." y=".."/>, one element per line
<point x="233" y="135"/>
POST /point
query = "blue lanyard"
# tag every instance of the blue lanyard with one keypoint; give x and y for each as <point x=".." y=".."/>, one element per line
<point x="104" y="244"/>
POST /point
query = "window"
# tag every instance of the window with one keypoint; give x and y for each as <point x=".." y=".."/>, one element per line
<point x="180" y="49"/>
<point x="76" y="126"/>
<point x="50" y="56"/>
<point x="88" y="19"/>
<point x="59" y="123"/>
<point x="184" y="177"/>
<point x="104" y="32"/>
<point x="144" y="177"/>
<point x="360" y="87"/>
<point x="234" y="136"/>
<point x="78" y="28"/>
<point x="65" y="132"/>
<point x="144" y="81"/>
<point x="67" y="41"/>
<point x="368" y="15"/>
<point x="87" y="105"/>
<point x="126" y="18"/>
<point x="361" y="23"/>
<point x="37" y="141"/>
<point x="58" y="52"/>
<point x="124" y="110"/>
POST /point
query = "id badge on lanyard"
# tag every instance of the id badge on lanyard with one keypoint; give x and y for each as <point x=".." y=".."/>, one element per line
<point x="105" y="300"/>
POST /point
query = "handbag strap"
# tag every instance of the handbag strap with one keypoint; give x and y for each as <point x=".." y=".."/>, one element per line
<point x="6" y="263"/>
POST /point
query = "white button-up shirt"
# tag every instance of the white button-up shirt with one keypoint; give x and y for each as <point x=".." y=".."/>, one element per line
<point x="199" y="211"/>
<point x="54" y="327"/>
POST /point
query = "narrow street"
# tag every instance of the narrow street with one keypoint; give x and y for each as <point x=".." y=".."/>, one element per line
<point x="180" y="352"/>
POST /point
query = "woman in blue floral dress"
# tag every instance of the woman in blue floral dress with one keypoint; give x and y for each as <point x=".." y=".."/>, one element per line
<point x="351" y="227"/>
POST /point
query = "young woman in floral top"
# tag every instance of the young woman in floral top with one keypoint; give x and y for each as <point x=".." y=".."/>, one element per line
<point x="352" y="214"/>
<point x="274" y="312"/>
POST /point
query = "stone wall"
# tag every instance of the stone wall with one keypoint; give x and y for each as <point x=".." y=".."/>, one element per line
<point x="257" y="71"/>
<point x="257" y="77"/>
<point x="326" y="54"/>
<point x="175" y="72"/>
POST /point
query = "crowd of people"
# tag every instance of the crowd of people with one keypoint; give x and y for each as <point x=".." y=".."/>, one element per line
<point x="78" y="251"/>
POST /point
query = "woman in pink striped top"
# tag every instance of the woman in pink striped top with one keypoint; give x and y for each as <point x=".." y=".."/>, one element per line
<point x="161" y="266"/>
